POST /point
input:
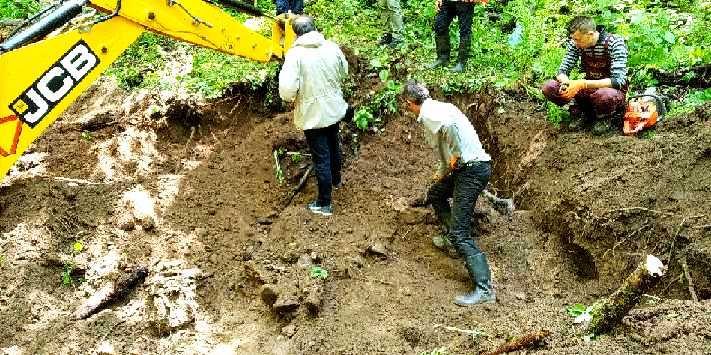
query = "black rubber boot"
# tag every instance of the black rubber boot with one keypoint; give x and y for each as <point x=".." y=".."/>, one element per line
<point x="480" y="274"/>
<point x="443" y="49"/>
<point x="463" y="56"/>
<point x="386" y="39"/>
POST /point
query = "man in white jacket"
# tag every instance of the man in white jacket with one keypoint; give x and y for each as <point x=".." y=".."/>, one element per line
<point x="313" y="71"/>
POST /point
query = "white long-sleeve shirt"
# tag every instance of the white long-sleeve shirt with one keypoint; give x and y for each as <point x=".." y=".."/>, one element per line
<point x="451" y="134"/>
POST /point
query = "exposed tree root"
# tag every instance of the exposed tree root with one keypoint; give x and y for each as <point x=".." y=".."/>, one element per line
<point x="109" y="293"/>
<point x="520" y="343"/>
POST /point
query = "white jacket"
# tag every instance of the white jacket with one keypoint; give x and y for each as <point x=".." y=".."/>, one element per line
<point x="313" y="71"/>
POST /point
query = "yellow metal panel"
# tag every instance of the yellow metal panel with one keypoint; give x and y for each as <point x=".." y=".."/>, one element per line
<point x="198" y="22"/>
<point x="42" y="79"/>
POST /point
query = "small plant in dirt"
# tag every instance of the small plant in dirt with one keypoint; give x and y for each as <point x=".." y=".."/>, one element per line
<point x="68" y="269"/>
<point x="580" y="312"/>
<point x="296" y="157"/>
<point x="2" y="260"/>
<point x="438" y="351"/>
<point x="557" y="115"/>
<point x="278" y="171"/>
<point x="317" y="272"/>
<point x="86" y="135"/>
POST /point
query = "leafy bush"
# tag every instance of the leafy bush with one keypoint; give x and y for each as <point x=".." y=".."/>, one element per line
<point x="378" y="104"/>
<point x="18" y="8"/>
<point x="214" y="72"/>
<point x="691" y="101"/>
<point x="138" y="65"/>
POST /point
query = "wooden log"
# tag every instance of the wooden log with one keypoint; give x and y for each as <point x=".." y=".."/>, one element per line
<point x="608" y="312"/>
<point x="109" y="293"/>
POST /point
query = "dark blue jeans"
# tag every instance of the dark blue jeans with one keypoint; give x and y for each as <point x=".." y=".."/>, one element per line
<point x="325" y="148"/>
<point x="296" y="6"/>
<point x="447" y="13"/>
<point x="464" y="186"/>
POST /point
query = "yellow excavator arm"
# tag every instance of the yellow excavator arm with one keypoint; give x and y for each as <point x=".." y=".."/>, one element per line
<point x="42" y="74"/>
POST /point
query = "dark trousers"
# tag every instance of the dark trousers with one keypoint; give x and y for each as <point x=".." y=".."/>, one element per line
<point x="589" y="103"/>
<point x="464" y="186"/>
<point x="325" y="148"/>
<point x="283" y="6"/>
<point x="447" y="13"/>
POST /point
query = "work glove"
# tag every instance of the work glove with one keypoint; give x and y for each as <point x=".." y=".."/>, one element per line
<point x="454" y="163"/>
<point x="571" y="88"/>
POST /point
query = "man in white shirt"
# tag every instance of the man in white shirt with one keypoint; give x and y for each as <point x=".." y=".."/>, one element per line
<point x="462" y="174"/>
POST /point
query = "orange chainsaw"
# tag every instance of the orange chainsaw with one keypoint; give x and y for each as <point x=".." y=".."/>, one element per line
<point x="643" y="111"/>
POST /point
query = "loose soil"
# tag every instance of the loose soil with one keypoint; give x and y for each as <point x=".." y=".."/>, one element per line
<point x="193" y="187"/>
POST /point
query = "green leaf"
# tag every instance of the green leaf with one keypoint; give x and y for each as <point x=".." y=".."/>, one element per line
<point x="576" y="309"/>
<point x="317" y="272"/>
<point x="375" y="63"/>
<point x="384" y="74"/>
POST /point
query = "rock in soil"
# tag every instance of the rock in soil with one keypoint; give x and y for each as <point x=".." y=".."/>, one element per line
<point x="314" y="300"/>
<point x="269" y="294"/>
<point x="378" y="249"/>
<point x="173" y="299"/>
<point x="288" y="331"/>
<point x="286" y="304"/>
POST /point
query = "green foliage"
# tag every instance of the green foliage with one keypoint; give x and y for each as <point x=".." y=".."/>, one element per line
<point x="296" y="157"/>
<point x="556" y="114"/>
<point x="18" y="8"/>
<point x="67" y="274"/>
<point x="363" y="118"/>
<point x="576" y="309"/>
<point x="2" y="260"/>
<point x="214" y="72"/>
<point x="378" y="104"/>
<point x="669" y="36"/>
<point x="692" y="100"/>
<point x="317" y="272"/>
<point x="137" y="67"/>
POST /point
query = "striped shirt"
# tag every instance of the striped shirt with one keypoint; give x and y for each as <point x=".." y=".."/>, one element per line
<point x="617" y="52"/>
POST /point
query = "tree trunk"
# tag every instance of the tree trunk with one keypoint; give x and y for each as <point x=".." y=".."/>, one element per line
<point x="608" y="312"/>
<point x="695" y="77"/>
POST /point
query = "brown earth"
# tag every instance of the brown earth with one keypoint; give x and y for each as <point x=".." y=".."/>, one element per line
<point x="589" y="210"/>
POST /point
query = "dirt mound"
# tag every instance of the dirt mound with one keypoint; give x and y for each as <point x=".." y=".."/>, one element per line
<point x="232" y="269"/>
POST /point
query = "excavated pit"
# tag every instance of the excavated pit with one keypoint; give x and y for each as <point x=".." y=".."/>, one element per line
<point x="206" y="197"/>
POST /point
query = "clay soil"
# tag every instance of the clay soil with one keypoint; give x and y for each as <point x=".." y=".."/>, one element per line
<point x="589" y="209"/>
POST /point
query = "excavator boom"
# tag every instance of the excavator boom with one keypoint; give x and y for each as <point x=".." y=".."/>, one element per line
<point x="44" y="73"/>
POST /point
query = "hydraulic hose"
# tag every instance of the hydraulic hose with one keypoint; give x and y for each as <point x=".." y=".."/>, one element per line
<point x="45" y="25"/>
